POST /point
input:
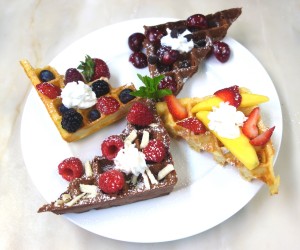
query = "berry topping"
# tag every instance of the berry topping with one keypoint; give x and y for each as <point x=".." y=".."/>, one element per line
<point x="250" y="128"/>
<point x="263" y="138"/>
<point x="140" y="115"/>
<point x="70" y="168"/>
<point x="46" y="76"/>
<point x="94" y="115"/>
<point x="192" y="124"/>
<point x="135" y="41"/>
<point x="167" y="56"/>
<point x="94" y="68"/>
<point x="73" y="75"/>
<point x="231" y="95"/>
<point x="138" y="60"/>
<point x="155" y="151"/>
<point x="168" y="83"/>
<point x="107" y="105"/>
<point x="100" y="87"/>
<point x="62" y="109"/>
<point x="111" y="146"/>
<point x="176" y="109"/>
<point x="48" y="90"/>
<point x="197" y="21"/>
<point x="154" y="35"/>
<point x="71" y="120"/>
<point x="125" y="96"/>
<point x="221" y="51"/>
<point x="111" y="182"/>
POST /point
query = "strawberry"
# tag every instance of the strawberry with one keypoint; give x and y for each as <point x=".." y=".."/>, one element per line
<point x="155" y="151"/>
<point x="48" y="90"/>
<point x="70" y="168"/>
<point x="176" y="109"/>
<point x="263" y="138"/>
<point x="230" y="95"/>
<point x="93" y="68"/>
<point x="73" y="75"/>
<point x="140" y="115"/>
<point x="111" y="146"/>
<point x="107" y="105"/>
<point x="250" y="128"/>
<point x="111" y="182"/>
<point x="192" y="124"/>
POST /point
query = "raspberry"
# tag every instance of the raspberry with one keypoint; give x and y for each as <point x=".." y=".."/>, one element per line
<point x="140" y="115"/>
<point x="111" y="181"/>
<point x="111" y="146"/>
<point x="70" y="168"/>
<point x="155" y="151"/>
<point x="107" y="105"/>
<point x="48" y="90"/>
<point x="73" y="75"/>
<point x="71" y="120"/>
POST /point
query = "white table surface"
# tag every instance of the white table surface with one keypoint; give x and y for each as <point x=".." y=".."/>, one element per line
<point x="39" y="30"/>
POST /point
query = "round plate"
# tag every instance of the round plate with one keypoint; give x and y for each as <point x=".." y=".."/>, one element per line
<point x="206" y="194"/>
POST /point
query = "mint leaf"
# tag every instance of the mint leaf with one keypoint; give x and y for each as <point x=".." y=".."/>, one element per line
<point x="151" y="90"/>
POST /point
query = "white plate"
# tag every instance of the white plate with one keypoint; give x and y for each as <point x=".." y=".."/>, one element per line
<point x="206" y="194"/>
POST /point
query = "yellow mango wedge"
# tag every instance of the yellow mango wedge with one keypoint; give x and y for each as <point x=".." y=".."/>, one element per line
<point x="240" y="147"/>
<point x="248" y="100"/>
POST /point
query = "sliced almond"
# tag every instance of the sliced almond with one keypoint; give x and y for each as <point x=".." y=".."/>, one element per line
<point x="66" y="197"/>
<point x="131" y="137"/>
<point x="165" y="171"/>
<point x="146" y="181"/>
<point x="90" y="189"/>
<point x="151" y="176"/>
<point x="88" y="169"/>
<point x="75" y="200"/>
<point x="145" y="139"/>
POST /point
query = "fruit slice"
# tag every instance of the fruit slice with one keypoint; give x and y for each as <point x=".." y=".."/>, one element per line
<point x="178" y="111"/>
<point x="263" y="138"/>
<point x="240" y="147"/>
<point x="248" y="100"/>
<point x="250" y="128"/>
<point x="231" y="95"/>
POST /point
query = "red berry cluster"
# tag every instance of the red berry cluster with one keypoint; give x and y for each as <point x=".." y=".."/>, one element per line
<point x="135" y="43"/>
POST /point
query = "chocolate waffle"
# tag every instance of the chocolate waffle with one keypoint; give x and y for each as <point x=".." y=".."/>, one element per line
<point x="208" y="142"/>
<point x="188" y="62"/>
<point x="53" y="105"/>
<point x="159" y="178"/>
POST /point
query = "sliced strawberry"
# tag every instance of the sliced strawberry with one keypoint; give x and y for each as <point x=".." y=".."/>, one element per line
<point x="231" y="95"/>
<point x="178" y="111"/>
<point x="263" y="138"/>
<point x="250" y="128"/>
<point x="193" y="124"/>
<point x="49" y="90"/>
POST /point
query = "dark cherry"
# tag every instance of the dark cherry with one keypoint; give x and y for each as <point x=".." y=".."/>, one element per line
<point x="167" y="56"/>
<point x="168" y="83"/>
<point x="154" y="35"/>
<point x="197" y="21"/>
<point x="221" y="51"/>
<point x="139" y="60"/>
<point x="135" y="41"/>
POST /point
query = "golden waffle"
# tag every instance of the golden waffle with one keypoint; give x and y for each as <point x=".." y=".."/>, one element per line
<point x="78" y="201"/>
<point x="188" y="63"/>
<point x="52" y="105"/>
<point x="208" y="142"/>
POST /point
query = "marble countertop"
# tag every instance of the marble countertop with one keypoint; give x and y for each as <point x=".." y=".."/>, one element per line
<point x="39" y="30"/>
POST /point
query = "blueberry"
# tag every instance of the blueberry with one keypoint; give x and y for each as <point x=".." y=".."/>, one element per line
<point x="62" y="109"/>
<point x="94" y="115"/>
<point x="125" y="96"/>
<point x="46" y="76"/>
<point x="100" y="87"/>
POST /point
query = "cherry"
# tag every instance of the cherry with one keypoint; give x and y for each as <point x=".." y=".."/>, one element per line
<point x="154" y="35"/>
<point x="135" y="41"/>
<point x="167" y="56"/>
<point x="139" y="60"/>
<point x="221" y="51"/>
<point x="197" y="21"/>
<point x="168" y="83"/>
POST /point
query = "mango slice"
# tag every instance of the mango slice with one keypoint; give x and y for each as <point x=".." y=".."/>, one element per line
<point x="240" y="147"/>
<point x="248" y="100"/>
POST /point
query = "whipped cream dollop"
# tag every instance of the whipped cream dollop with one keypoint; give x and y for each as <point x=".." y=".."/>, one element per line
<point x="130" y="160"/>
<point x="78" y="95"/>
<point x="225" y="120"/>
<point x="179" y="43"/>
